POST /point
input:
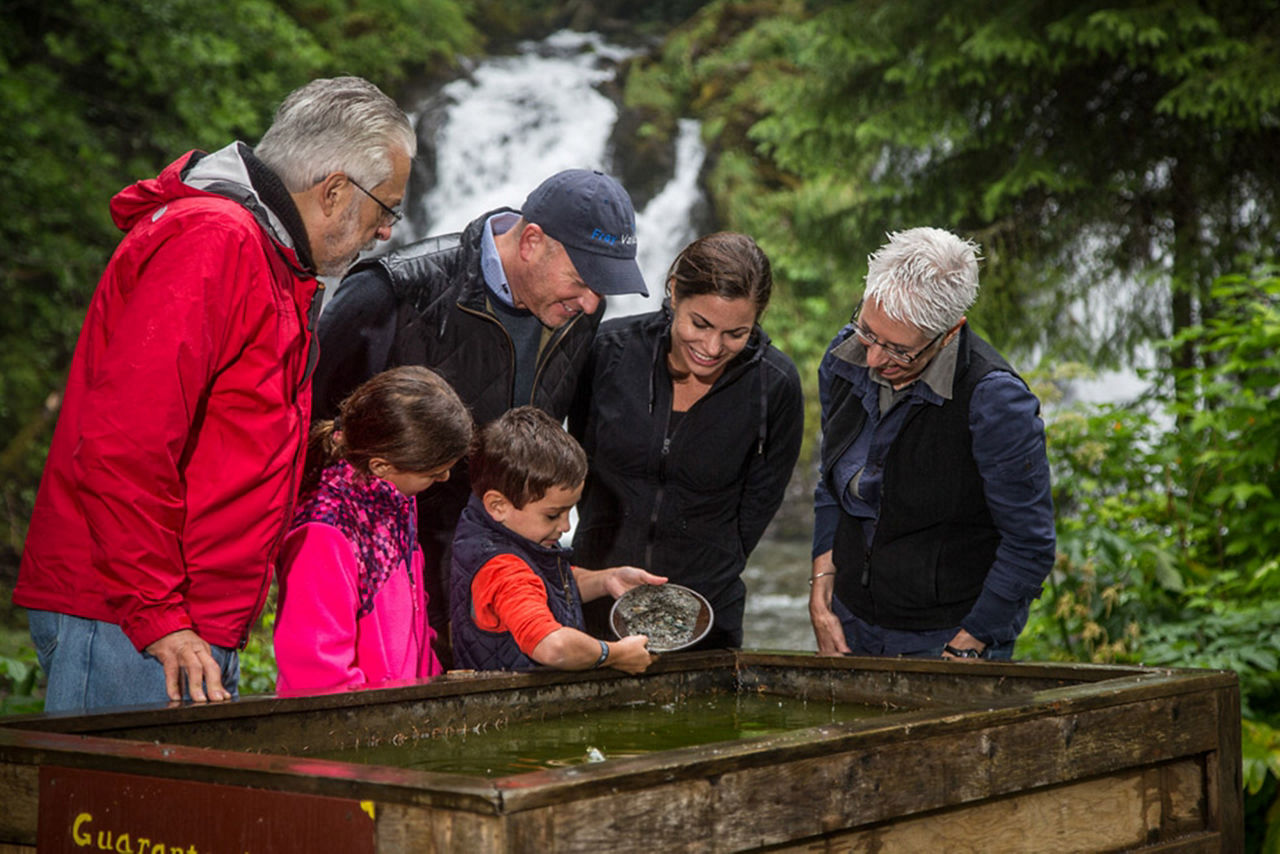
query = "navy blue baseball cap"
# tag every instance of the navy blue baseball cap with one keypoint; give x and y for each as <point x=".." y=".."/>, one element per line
<point x="591" y="215"/>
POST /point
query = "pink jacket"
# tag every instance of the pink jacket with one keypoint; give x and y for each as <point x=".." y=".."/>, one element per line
<point x="320" y="644"/>
<point x="171" y="478"/>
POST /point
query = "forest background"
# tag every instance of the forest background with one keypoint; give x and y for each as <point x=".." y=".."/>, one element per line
<point x="1118" y="162"/>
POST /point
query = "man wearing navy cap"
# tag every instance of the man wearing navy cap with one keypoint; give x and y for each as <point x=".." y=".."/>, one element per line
<point x="505" y="311"/>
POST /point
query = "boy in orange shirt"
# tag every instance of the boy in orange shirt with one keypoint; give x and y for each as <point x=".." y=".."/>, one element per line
<point x="516" y="600"/>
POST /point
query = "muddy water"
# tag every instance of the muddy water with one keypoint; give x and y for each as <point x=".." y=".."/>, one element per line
<point x="603" y="734"/>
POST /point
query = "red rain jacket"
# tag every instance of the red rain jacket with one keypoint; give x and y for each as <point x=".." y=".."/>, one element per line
<point x="176" y="459"/>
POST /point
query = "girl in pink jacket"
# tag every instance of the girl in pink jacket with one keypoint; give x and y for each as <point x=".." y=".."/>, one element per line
<point x="352" y="610"/>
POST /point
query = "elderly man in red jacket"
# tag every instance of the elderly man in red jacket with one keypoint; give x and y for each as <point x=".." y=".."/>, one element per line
<point x="176" y="458"/>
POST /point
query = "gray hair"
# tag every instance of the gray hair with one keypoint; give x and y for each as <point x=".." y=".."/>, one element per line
<point x="924" y="276"/>
<point x="338" y="124"/>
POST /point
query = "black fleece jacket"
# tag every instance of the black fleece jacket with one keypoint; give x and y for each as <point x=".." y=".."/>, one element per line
<point x="690" y="505"/>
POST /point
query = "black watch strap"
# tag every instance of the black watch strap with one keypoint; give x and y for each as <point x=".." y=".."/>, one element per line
<point x="961" y="653"/>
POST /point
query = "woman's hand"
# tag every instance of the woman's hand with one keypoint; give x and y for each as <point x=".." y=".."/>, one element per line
<point x="620" y="579"/>
<point x="616" y="580"/>
<point x="964" y="640"/>
<point x="827" y="628"/>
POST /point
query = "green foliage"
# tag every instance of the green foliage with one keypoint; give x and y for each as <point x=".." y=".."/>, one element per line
<point x="258" y="658"/>
<point x="19" y="677"/>
<point x="21" y="683"/>
<point x="385" y="40"/>
<point x="1086" y="146"/>
<point x="1167" y="524"/>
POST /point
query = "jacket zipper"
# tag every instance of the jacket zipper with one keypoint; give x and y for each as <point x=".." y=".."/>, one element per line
<point x="665" y="453"/>
<point x="307" y="321"/>
<point x="559" y="335"/>
<point x="657" y="496"/>
<point x="564" y="582"/>
<point x="511" y="347"/>
<point x="511" y="351"/>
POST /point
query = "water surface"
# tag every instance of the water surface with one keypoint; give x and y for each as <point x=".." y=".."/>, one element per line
<point x="603" y="734"/>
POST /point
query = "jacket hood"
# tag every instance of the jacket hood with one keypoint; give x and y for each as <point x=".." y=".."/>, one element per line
<point x="234" y="173"/>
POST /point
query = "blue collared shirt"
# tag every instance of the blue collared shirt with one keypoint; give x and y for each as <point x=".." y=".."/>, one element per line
<point x="490" y="263"/>
<point x="1008" y="447"/>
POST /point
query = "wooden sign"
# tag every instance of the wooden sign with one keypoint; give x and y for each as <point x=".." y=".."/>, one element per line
<point x="83" y="810"/>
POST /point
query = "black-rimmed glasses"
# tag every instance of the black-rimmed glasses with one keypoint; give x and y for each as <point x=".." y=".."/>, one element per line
<point x="395" y="215"/>
<point x="894" y="352"/>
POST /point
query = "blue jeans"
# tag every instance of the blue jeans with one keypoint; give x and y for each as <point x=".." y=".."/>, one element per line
<point x="93" y="665"/>
<point x="866" y="639"/>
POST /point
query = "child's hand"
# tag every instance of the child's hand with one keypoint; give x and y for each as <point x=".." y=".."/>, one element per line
<point x="631" y="654"/>
<point x="620" y="579"/>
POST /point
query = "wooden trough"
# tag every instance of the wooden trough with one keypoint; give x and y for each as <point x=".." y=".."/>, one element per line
<point x="973" y="756"/>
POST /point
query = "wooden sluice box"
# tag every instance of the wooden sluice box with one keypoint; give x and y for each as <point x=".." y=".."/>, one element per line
<point x="964" y="756"/>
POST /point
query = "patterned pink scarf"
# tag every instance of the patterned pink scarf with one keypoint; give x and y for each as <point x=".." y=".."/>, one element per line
<point x="377" y="519"/>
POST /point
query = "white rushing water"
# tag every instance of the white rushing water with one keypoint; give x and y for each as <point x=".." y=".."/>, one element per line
<point x="516" y="120"/>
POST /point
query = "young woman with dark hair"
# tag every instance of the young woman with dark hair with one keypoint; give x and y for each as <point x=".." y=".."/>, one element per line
<point x="692" y="422"/>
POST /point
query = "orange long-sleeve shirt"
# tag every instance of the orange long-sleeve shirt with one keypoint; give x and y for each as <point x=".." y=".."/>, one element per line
<point x="508" y="596"/>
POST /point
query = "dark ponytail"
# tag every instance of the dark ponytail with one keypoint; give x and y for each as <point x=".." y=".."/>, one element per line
<point x="726" y="264"/>
<point x="408" y="416"/>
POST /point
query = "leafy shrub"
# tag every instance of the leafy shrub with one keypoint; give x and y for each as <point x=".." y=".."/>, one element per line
<point x="1167" y="524"/>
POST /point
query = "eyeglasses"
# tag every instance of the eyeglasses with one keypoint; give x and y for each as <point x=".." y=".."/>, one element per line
<point x="392" y="213"/>
<point x="894" y="352"/>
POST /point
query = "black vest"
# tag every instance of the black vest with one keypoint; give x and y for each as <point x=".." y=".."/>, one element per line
<point x="443" y="322"/>
<point x="934" y="539"/>
<point x="479" y="538"/>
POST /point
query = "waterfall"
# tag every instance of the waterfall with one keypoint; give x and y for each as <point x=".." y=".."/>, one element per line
<point x="665" y="225"/>
<point x="515" y="120"/>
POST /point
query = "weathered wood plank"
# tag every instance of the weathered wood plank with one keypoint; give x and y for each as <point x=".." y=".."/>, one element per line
<point x="672" y="818"/>
<point x="19" y="802"/>
<point x="1068" y="672"/>
<point x="893" y="782"/>
<point x="302" y="725"/>
<point x="402" y="828"/>
<point x="1105" y="814"/>
<point x="280" y="773"/>
<point x="1226" y="804"/>
<point x="745" y="803"/>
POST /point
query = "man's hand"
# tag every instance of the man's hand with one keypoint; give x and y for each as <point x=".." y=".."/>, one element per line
<point x="185" y="655"/>
<point x="827" y="628"/>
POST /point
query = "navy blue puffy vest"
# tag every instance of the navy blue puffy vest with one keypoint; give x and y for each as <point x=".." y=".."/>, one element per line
<point x="477" y="540"/>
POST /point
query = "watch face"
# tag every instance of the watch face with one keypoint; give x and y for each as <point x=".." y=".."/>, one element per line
<point x="961" y="653"/>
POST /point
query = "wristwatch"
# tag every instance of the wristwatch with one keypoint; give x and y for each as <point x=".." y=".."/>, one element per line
<point x="961" y="653"/>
